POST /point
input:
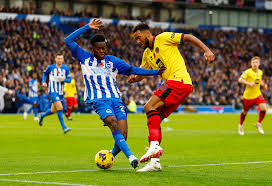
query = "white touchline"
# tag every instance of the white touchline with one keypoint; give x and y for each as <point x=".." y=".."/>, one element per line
<point x="170" y="166"/>
<point x="41" y="182"/>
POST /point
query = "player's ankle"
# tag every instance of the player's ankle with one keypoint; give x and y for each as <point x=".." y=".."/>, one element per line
<point x="154" y="144"/>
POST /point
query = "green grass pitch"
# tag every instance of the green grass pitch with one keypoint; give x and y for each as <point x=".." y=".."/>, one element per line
<point x="196" y="146"/>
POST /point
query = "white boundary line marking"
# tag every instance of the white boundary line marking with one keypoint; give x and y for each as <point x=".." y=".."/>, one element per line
<point x="41" y="182"/>
<point x="205" y="165"/>
<point x="170" y="166"/>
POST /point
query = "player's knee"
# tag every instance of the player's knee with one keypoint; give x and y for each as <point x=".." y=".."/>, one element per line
<point x="244" y="112"/>
<point x="263" y="109"/>
<point x="112" y="123"/>
<point x="147" y="108"/>
<point x="124" y="133"/>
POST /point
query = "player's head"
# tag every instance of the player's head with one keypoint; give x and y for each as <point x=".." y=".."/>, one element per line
<point x="255" y="62"/>
<point x="34" y="75"/>
<point x="98" y="42"/>
<point x="59" y="58"/>
<point x="142" y="35"/>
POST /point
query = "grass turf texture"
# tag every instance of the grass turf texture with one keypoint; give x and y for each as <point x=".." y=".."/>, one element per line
<point x="195" y="139"/>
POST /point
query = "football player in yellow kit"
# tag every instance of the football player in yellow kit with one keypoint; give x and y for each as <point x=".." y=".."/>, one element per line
<point x="252" y="78"/>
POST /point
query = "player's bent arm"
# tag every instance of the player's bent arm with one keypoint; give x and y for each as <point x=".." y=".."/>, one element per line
<point x="243" y="81"/>
<point x="264" y="85"/>
<point x="70" y="39"/>
<point x="68" y="79"/>
<point x="143" y="71"/>
<point x="192" y="39"/>
<point x="195" y="41"/>
<point x="139" y="78"/>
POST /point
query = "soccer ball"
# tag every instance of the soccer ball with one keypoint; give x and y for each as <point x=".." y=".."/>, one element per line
<point x="104" y="159"/>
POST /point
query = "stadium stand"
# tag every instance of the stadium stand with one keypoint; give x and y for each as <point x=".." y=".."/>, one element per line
<point x="30" y="46"/>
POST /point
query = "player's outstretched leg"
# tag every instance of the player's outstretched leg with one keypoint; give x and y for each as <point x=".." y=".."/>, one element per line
<point x="36" y="111"/>
<point x="122" y="124"/>
<point x="61" y="120"/>
<point x="115" y="150"/>
<point x="153" y="123"/>
<point x="242" y="119"/>
<point x="120" y="141"/>
<point x="41" y="116"/>
<point x="261" y="117"/>
<point x="154" y="164"/>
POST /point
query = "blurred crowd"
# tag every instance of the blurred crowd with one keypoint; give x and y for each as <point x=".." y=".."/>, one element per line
<point x="29" y="46"/>
<point x="84" y="13"/>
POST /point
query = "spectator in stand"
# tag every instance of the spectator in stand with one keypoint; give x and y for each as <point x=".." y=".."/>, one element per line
<point x="22" y="50"/>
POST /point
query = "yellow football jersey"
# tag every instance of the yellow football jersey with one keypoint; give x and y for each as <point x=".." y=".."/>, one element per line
<point x="165" y="52"/>
<point x="70" y="89"/>
<point x="251" y="76"/>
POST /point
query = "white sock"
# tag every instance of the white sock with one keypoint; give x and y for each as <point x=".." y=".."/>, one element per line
<point x="154" y="144"/>
<point x="153" y="160"/>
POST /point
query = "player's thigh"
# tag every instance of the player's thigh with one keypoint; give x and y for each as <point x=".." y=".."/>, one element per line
<point x="112" y="123"/>
<point x="262" y="106"/>
<point x="260" y="101"/>
<point x="53" y="108"/>
<point x="247" y="105"/>
<point x="120" y="110"/>
<point x="75" y="103"/>
<point x="103" y="109"/>
<point x="58" y="105"/>
<point x="154" y="103"/>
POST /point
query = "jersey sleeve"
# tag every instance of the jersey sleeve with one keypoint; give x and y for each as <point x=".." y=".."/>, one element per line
<point x="122" y="67"/>
<point x="46" y="74"/>
<point x="67" y="75"/>
<point x="244" y="75"/>
<point x="171" y="38"/>
<point x="77" y="52"/>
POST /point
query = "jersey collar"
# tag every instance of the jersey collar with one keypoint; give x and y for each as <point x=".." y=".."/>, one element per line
<point x="153" y="42"/>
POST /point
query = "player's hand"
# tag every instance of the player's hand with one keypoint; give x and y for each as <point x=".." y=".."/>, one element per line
<point x="44" y="85"/>
<point x="162" y="69"/>
<point x="209" y="56"/>
<point x="61" y="79"/>
<point x="96" y="24"/>
<point x="251" y="84"/>
<point x="132" y="79"/>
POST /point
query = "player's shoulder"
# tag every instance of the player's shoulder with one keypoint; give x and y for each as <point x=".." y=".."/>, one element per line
<point x="260" y="71"/>
<point x="164" y="35"/>
<point x="65" y="67"/>
<point x="146" y="52"/>
<point x="51" y="66"/>
<point x="248" y="70"/>
<point x="112" y="58"/>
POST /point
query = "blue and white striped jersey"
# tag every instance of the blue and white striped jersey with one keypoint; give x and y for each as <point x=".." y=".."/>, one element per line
<point x="33" y="88"/>
<point x="54" y="73"/>
<point x="100" y="75"/>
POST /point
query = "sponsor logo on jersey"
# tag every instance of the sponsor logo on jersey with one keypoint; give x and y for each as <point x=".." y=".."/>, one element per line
<point x="108" y="111"/>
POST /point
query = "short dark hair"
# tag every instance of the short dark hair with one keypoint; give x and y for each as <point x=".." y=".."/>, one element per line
<point x="58" y="54"/>
<point x="141" y="27"/>
<point x="98" y="38"/>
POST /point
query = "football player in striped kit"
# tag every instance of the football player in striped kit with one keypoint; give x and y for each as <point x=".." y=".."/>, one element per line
<point x="33" y="97"/>
<point x="99" y="72"/>
<point x="58" y="74"/>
